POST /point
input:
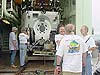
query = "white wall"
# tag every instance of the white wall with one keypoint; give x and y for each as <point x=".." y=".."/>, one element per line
<point x="96" y="17"/>
<point x="83" y="15"/>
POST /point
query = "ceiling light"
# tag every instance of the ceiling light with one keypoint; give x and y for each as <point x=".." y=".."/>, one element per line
<point x="5" y="21"/>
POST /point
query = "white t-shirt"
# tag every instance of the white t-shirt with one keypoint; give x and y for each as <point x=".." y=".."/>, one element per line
<point x="23" y="38"/>
<point x="58" y="37"/>
<point x="90" y="43"/>
<point x="71" y="48"/>
<point x="12" y="37"/>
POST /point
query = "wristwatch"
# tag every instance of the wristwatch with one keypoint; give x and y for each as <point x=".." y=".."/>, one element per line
<point x="57" y="65"/>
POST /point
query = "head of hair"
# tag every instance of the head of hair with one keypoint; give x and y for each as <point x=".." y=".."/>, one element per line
<point x="23" y="29"/>
<point x="14" y="28"/>
<point x="58" y="27"/>
<point x="86" y="28"/>
<point x="70" y="28"/>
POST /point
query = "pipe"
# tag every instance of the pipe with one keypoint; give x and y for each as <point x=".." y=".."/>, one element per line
<point x="5" y="11"/>
<point x="1" y="9"/>
<point x="12" y="10"/>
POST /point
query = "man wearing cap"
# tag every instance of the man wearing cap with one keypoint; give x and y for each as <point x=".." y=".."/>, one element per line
<point x="13" y="46"/>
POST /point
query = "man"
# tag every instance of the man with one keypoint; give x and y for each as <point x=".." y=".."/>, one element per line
<point x="23" y="37"/>
<point x="90" y="43"/>
<point x="13" y="46"/>
<point x="71" y="50"/>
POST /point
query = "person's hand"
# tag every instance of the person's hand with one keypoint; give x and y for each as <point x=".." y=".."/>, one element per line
<point x="58" y="42"/>
<point x="25" y="33"/>
<point x="15" y="47"/>
<point x="83" y="64"/>
<point x="57" y="70"/>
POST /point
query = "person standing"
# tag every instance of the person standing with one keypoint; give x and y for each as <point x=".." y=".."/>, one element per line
<point x="13" y="46"/>
<point x="71" y="49"/>
<point x="23" y="37"/>
<point x="58" y="37"/>
<point x="90" y="43"/>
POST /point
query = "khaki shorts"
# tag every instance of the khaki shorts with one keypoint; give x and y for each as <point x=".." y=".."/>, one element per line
<point x="70" y="73"/>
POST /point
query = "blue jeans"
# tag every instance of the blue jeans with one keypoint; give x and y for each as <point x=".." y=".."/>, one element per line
<point x="87" y="70"/>
<point x="12" y="56"/>
<point x="23" y="51"/>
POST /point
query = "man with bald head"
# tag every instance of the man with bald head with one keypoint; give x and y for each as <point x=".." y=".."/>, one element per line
<point x="71" y="49"/>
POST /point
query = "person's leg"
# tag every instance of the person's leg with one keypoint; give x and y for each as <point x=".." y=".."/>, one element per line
<point x="88" y="65"/>
<point x="11" y="61"/>
<point x="13" y="54"/>
<point x="22" y="54"/>
<point x="25" y="53"/>
<point x="83" y="70"/>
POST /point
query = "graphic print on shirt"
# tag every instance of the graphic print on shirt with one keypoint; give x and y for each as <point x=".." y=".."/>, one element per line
<point x="74" y="47"/>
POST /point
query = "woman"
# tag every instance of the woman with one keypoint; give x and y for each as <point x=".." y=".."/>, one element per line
<point x="23" y="37"/>
<point x="58" y="38"/>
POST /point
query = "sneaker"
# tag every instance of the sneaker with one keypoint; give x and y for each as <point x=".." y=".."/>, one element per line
<point x="13" y="66"/>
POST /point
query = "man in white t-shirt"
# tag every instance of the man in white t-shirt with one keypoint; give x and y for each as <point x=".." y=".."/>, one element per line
<point x="71" y="49"/>
<point x="13" y="46"/>
<point x="90" y="43"/>
<point x="23" y="37"/>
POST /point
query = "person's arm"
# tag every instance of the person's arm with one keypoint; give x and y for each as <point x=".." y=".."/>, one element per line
<point x="84" y="53"/>
<point x="58" y="60"/>
<point x="84" y="59"/>
<point x="14" y="43"/>
<point x="26" y="34"/>
<point x="14" y="40"/>
<point x="58" y="42"/>
<point x="92" y="45"/>
<point x="92" y="48"/>
<point x="59" y="55"/>
<point x="58" y="66"/>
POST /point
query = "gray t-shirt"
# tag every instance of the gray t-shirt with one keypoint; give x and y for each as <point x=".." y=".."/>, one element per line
<point x="12" y="37"/>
